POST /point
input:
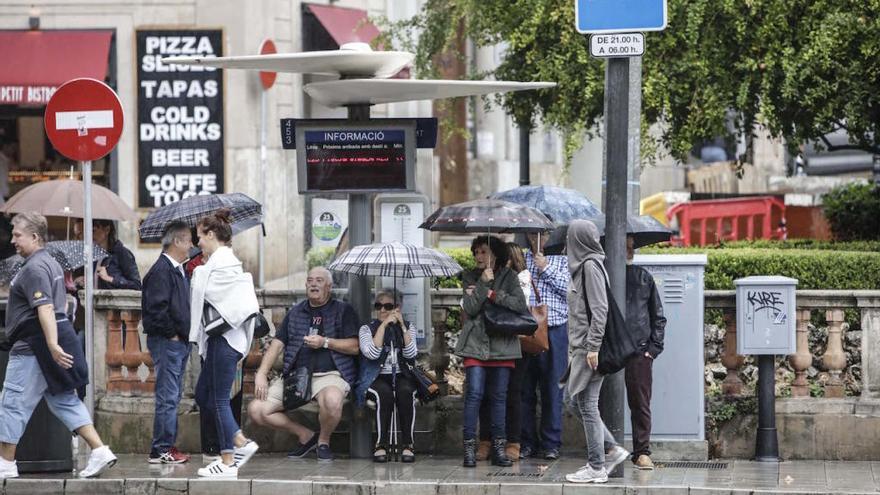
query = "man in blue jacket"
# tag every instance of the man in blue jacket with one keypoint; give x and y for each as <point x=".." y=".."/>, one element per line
<point x="165" y="313"/>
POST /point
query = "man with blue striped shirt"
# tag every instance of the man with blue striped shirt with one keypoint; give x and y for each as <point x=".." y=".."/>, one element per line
<point x="551" y="277"/>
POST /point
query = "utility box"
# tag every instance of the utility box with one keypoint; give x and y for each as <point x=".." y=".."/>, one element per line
<point x="765" y="315"/>
<point x="677" y="404"/>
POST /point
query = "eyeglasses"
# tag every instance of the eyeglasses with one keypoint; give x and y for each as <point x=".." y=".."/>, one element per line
<point x="386" y="306"/>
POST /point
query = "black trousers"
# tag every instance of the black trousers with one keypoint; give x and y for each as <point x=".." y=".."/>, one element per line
<point x="513" y="425"/>
<point x="208" y="426"/>
<point x="382" y="392"/>
<point x="638" y="376"/>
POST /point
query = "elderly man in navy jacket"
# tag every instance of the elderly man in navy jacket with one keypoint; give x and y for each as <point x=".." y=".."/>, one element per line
<point x="165" y="313"/>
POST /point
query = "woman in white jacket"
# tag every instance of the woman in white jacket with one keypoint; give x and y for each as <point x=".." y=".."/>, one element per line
<point x="222" y="284"/>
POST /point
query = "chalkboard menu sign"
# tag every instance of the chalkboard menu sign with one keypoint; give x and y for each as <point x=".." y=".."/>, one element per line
<point x="345" y="156"/>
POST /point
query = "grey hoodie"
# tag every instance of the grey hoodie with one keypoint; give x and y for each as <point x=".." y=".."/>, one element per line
<point x="583" y="248"/>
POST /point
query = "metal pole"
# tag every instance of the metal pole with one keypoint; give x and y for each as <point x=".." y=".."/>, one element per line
<point x="616" y="151"/>
<point x="90" y="284"/>
<point x="766" y="444"/>
<point x="360" y="230"/>
<point x="261" y="276"/>
<point x="524" y="165"/>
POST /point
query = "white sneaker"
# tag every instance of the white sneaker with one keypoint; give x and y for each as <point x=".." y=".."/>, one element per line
<point x="241" y="455"/>
<point x="617" y="455"/>
<point x="8" y="469"/>
<point x="587" y="474"/>
<point x="208" y="458"/>
<point x="100" y="460"/>
<point x="218" y="470"/>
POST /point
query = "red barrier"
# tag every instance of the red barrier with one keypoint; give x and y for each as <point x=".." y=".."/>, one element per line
<point x="711" y="221"/>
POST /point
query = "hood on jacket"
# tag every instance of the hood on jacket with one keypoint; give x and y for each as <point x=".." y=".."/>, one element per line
<point x="582" y="244"/>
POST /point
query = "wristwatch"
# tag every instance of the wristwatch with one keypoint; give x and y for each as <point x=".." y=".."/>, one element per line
<point x="326" y="343"/>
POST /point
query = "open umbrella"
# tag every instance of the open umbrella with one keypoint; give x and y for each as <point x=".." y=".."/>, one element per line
<point x="487" y="216"/>
<point x="645" y="229"/>
<point x="559" y="204"/>
<point x="64" y="198"/>
<point x="245" y="213"/>
<point x="395" y="259"/>
<point x="69" y="254"/>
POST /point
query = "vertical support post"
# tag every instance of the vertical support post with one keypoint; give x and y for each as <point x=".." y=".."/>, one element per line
<point x="525" y="130"/>
<point x="261" y="247"/>
<point x="732" y="384"/>
<point x="834" y="358"/>
<point x="90" y="284"/>
<point x="616" y="206"/>
<point x="766" y="444"/>
<point x="802" y="359"/>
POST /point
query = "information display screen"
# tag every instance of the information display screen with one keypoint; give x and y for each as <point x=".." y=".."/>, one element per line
<point x="355" y="157"/>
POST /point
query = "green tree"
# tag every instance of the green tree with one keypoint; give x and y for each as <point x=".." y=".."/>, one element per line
<point x="800" y="68"/>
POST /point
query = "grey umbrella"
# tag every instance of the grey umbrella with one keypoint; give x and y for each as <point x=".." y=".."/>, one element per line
<point x="69" y="254"/>
<point x="245" y="213"/>
<point x="645" y="229"/>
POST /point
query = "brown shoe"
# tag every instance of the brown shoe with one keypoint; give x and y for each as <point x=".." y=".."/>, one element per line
<point x="644" y="463"/>
<point x="512" y="451"/>
<point x="483" y="450"/>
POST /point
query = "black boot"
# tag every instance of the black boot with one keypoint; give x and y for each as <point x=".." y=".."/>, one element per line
<point x="499" y="456"/>
<point x="470" y="453"/>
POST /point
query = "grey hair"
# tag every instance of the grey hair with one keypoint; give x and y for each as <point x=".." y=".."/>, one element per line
<point x="327" y="274"/>
<point x="33" y="223"/>
<point x="393" y="294"/>
<point x="172" y="232"/>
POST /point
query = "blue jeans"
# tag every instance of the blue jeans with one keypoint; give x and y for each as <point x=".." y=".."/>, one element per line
<point x="489" y="382"/>
<point x="169" y="358"/>
<point x="212" y="389"/>
<point x="543" y="372"/>
<point x="23" y="388"/>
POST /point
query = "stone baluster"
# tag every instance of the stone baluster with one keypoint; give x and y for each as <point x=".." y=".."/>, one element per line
<point x="439" y="359"/>
<point x="834" y="358"/>
<point x="870" y="308"/>
<point x="131" y="354"/>
<point x="251" y="364"/>
<point x="132" y="319"/>
<point x="113" y="355"/>
<point x="732" y="384"/>
<point x="803" y="358"/>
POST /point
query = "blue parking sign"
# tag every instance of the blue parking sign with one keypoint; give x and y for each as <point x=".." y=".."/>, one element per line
<point x="619" y="16"/>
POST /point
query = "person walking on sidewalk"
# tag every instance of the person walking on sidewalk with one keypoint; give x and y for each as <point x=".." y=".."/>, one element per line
<point x="645" y="320"/>
<point x="488" y="359"/>
<point x="543" y="371"/>
<point x="165" y="310"/>
<point x="46" y="360"/>
<point x="588" y="312"/>
<point x="221" y="287"/>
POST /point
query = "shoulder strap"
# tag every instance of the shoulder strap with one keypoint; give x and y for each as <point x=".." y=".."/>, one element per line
<point x="535" y="288"/>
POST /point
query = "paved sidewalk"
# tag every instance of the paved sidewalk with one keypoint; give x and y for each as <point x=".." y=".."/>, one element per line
<point x="276" y="475"/>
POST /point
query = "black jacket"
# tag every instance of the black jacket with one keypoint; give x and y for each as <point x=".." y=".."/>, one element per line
<point x="122" y="266"/>
<point x="165" y="301"/>
<point x="644" y="310"/>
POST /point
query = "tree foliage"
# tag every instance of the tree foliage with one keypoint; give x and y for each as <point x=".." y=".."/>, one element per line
<point x="853" y="210"/>
<point x="799" y="68"/>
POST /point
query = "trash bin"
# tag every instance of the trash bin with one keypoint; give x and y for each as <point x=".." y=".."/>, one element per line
<point x="46" y="444"/>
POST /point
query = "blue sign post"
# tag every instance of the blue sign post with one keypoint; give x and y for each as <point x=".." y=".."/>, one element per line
<point x="619" y="16"/>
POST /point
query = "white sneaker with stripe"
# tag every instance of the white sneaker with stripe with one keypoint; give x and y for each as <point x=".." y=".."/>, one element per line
<point x="241" y="455"/>
<point x="218" y="470"/>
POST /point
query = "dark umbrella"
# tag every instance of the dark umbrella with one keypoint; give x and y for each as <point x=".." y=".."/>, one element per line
<point x="68" y="254"/>
<point x="560" y="204"/>
<point x="245" y="213"/>
<point x="645" y="229"/>
<point x="487" y="216"/>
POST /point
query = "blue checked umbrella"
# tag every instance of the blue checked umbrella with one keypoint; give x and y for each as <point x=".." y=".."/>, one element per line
<point x="245" y="213"/>
<point x="68" y="254"/>
<point x="395" y="259"/>
<point x="560" y="204"/>
<point x="487" y="216"/>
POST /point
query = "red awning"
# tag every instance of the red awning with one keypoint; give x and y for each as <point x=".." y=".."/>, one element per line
<point x="35" y="63"/>
<point x="345" y="25"/>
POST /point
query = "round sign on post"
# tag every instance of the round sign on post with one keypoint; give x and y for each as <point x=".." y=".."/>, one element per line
<point x="267" y="78"/>
<point x="84" y="119"/>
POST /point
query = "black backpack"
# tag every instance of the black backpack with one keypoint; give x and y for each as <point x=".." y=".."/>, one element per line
<point x="618" y="345"/>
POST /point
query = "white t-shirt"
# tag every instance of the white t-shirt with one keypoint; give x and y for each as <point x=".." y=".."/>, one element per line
<point x="525" y="283"/>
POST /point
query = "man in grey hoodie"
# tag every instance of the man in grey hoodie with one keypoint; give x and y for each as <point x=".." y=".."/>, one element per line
<point x="587" y="315"/>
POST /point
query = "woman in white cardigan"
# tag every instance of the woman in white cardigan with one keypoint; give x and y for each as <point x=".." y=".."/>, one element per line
<point x="222" y="284"/>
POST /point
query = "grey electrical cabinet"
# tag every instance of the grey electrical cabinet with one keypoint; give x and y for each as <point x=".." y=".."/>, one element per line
<point x="765" y="315"/>
<point x="677" y="403"/>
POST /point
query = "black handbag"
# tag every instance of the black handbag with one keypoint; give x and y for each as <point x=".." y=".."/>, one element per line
<point x="505" y="321"/>
<point x="426" y="387"/>
<point x="618" y="344"/>
<point x="213" y="322"/>
<point x="261" y="326"/>
<point x="298" y="388"/>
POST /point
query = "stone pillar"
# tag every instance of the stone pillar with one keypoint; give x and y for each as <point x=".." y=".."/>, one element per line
<point x="870" y="347"/>
<point x="802" y="359"/>
<point x="834" y="359"/>
<point x="732" y="385"/>
<point x="439" y="359"/>
<point x="113" y="355"/>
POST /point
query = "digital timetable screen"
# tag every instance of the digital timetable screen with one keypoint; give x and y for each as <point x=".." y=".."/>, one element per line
<point x="355" y="157"/>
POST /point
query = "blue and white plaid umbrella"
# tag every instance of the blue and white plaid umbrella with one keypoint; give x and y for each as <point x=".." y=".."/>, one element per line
<point x="395" y="259"/>
<point x="245" y="213"/>
<point x="560" y="204"/>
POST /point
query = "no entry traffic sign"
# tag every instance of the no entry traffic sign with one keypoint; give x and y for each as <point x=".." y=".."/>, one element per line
<point x="84" y="119"/>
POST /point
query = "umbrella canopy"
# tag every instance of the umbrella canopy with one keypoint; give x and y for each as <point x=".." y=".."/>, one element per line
<point x="487" y="216"/>
<point x="559" y="204"/>
<point x="64" y="198"/>
<point x="395" y="259"/>
<point x="245" y="213"/>
<point x="645" y="229"/>
<point x="69" y="254"/>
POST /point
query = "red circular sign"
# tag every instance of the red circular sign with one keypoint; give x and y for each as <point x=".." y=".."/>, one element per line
<point x="84" y="119"/>
<point x="268" y="78"/>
